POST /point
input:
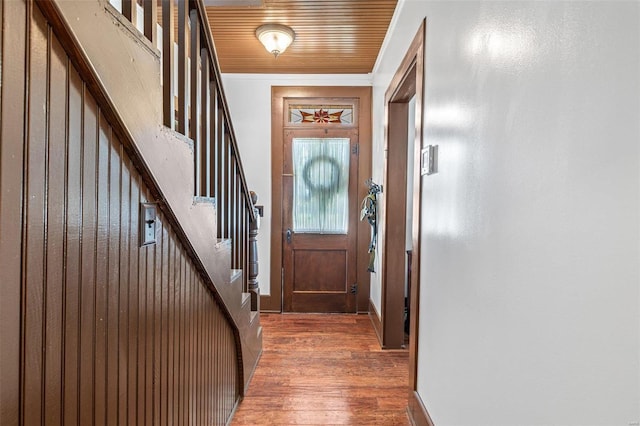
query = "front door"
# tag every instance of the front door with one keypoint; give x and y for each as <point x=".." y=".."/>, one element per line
<point x="320" y="213"/>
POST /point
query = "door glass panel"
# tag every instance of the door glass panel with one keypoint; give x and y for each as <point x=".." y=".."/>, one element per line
<point x="320" y="185"/>
<point x="321" y="114"/>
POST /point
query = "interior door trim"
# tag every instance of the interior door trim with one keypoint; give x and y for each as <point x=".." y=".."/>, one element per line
<point x="405" y="84"/>
<point x="279" y="96"/>
<point x="409" y="80"/>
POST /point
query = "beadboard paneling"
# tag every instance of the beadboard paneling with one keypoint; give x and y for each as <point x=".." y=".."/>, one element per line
<point x="108" y="332"/>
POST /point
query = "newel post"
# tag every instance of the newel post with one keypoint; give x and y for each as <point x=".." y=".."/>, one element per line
<point x="254" y="288"/>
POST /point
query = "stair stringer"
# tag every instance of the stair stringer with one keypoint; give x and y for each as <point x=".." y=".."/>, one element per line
<point x="251" y="334"/>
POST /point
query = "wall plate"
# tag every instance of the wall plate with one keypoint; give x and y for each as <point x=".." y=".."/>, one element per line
<point x="429" y="160"/>
<point x="148" y="216"/>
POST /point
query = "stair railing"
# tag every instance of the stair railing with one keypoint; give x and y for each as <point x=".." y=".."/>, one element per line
<point x="194" y="105"/>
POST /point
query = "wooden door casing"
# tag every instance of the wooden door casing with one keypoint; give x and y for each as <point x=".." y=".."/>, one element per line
<point x="271" y="300"/>
<point x="319" y="269"/>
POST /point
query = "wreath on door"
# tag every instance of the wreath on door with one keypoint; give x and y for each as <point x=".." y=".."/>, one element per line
<point x="324" y="188"/>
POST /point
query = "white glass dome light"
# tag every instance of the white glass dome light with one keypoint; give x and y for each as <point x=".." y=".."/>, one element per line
<point x="275" y="37"/>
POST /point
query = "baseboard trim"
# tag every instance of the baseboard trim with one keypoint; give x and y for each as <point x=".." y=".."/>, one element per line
<point x="417" y="412"/>
<point x="374" y="316"/>
<point x="269" y="303"/>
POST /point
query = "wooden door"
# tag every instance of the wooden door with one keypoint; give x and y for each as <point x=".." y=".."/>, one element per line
<point x="320" y="217"/>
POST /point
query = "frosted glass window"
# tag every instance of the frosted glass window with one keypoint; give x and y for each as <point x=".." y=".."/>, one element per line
<point x="321" y="185"/>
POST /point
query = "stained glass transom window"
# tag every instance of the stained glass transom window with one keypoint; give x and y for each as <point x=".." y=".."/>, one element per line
<point x="320" y="185"/>
<point x="321" y="114"/>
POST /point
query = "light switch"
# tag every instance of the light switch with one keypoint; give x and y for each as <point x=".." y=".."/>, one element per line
<point x="147" y="224"/>
<point x="429" y="160"/>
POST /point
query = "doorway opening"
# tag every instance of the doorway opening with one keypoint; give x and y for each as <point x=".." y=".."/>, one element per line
<point x="399" y="232"/>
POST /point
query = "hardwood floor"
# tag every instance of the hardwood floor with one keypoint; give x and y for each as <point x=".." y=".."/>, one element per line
<point x="325" y="370"/>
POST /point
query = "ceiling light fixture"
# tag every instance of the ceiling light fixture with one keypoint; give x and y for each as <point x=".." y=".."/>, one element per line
<point x="275" y="37"/>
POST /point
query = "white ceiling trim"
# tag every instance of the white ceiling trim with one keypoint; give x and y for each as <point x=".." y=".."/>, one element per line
<point x="306" y="79"/>
<point x="389" y="34"/>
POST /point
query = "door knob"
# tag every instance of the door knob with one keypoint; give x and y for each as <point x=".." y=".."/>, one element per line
<point x="289" y="233"/>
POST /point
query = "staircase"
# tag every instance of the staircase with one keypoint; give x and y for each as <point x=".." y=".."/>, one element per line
<point x="162" y="81"/>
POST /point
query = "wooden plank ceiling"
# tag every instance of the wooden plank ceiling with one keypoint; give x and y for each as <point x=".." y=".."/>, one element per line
<point x="332" y="36"/>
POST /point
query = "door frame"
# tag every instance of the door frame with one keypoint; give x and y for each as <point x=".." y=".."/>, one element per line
<point x="407" y="82"/>
<point x="279" y="96"/>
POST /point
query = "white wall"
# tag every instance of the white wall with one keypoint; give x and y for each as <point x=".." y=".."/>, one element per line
<point x="249" y="98"/>
<point x="530" y="292"/>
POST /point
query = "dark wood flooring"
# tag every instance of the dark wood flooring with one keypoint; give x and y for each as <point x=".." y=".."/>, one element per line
<point x="325" y="370"/>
